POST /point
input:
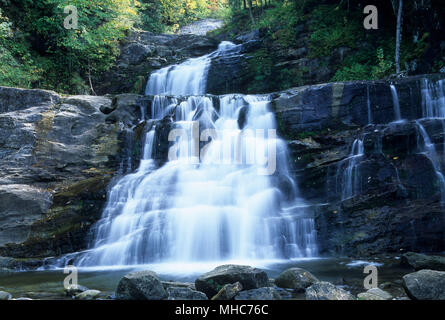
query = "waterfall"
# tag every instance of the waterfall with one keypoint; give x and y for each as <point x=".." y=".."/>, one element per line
<point x="233" y="199"/>
<point x="348" y="173"/>
<point x="396" y="104"/>
<point x="368" y="103"/>
<point x="433" y="107"/>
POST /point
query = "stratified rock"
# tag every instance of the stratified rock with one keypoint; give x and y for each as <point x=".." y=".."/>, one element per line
<point x="425" y="285"/>
<point x="141" y="285"/>
<point x="169" y="284"/>
<point x="267" y="293"/>
<point x="419" y="261"/>
<point x="73" y="290"/>
<point x="295" y="278"/>
<point x="88" y="295"/>
<point x="178" y="293"/>
<point x="374" y="294"/>
<point x="229" y="291"/>
<point x="327" y="291"/>
<point x="251" y="278"/>
<point x="5" y="295"/>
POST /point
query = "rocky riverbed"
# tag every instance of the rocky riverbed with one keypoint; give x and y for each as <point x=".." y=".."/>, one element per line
<point x="316" y="279"/>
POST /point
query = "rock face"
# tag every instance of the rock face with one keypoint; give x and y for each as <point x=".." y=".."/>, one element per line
<point x="295" y="278"/>
<point x="57" y="156"/>
<point x="141" y="285"/>
<point x="425" y="285"/>
<point x="145" y="52"/>
<point x="327" y="291"/>
<point x="177" y="293"/>
<point x="212" y="282"/>
<point x="267" y="293"/>
<point x="419" y="261"/>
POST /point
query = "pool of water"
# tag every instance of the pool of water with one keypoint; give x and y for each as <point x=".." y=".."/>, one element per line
<point x="347" y="273"/>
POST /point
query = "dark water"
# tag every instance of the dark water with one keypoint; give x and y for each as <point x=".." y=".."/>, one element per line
<point x="346" y="273"/>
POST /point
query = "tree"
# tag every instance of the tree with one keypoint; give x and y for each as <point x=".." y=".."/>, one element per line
<point x="398" y="35"/>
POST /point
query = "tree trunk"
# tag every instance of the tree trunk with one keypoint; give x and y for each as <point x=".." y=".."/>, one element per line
<point x="251" y="13"/>
<point x="398" y="35"/>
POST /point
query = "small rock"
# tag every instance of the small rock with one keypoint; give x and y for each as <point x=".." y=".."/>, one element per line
<point x="419" y="261"/>
<point x="141" y="285"/>
<point x="73" y="290"/>
<point x="5" y="295"/>
<point x="212" y="282"/>
<point x="266" y="293"/>
<point x="425" y="285"/>
<point x="374" y="294"/>
<point x="22" y="298"/>
<point x="295" y="278"/>
<point x="185" y="293"/>
<point x="88" y="295"/>
<point x="327" y="291"/>
<point x="229" y="291"/>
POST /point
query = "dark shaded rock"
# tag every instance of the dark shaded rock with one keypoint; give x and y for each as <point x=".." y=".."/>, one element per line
<point x="295" y="278"/>
<point x="419" y="261"/>
<point x="425" y="285"/>
<point x="327" y="291"/>
<point x="212" y="282"/>
<point x="178" y="293"/>
<point x="229" y="291"/>
<point x="267" y="293"/>
<point x="141" y="285"/>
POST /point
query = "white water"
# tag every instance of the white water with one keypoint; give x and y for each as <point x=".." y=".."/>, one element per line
<point x="395" y="100"/>
<point x="348" y="173"/>
<point x="216" y="205"/>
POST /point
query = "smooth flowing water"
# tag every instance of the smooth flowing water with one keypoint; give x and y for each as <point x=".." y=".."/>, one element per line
<point x="348" y="173"/>
<point x="232" y="199"/>
<point x="395" y="100"/>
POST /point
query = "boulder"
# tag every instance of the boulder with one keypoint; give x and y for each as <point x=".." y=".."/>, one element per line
<point x="141" y="285"/>
<point x="374" y="294"/>
<point x="73" y="290"/>
<point x="184" y="293"/>
<point x="267" y="293"/>
<point x="88" y="295"/>
<point x="425" y="285"/>
<point x="250" y="278"/>
<point x="327" y="291"/>
<point x="5" y="295"/>
<point x="229" y="291"/>
<point x="419" y="261"/>
<point x="295" y="278"/>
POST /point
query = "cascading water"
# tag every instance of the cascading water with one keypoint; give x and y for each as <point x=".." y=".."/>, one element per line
<point x="433" y="107"/>
<point x="231" y="200"/>
<point x="395" y="100"/>
<point x="348" y="173"/>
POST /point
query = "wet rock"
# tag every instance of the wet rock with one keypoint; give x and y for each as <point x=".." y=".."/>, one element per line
<point x="374" y="294"/>
<point x="73" y="290"/>
<point x="88" y="295"/>
<point x="266" y="293"/>
<point x="419" y="261"/>
<point x="185" y="293"/>
<point x="425" y="285"/>
<point x="229" y="291"/>
<point x="250" y="278"/>
<point x="141" y="285"/>
<point x="5" y="295"/>
<point x="327" y="291"/>
<point x="295" y="278"/>
<point x="169" y="284"/>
